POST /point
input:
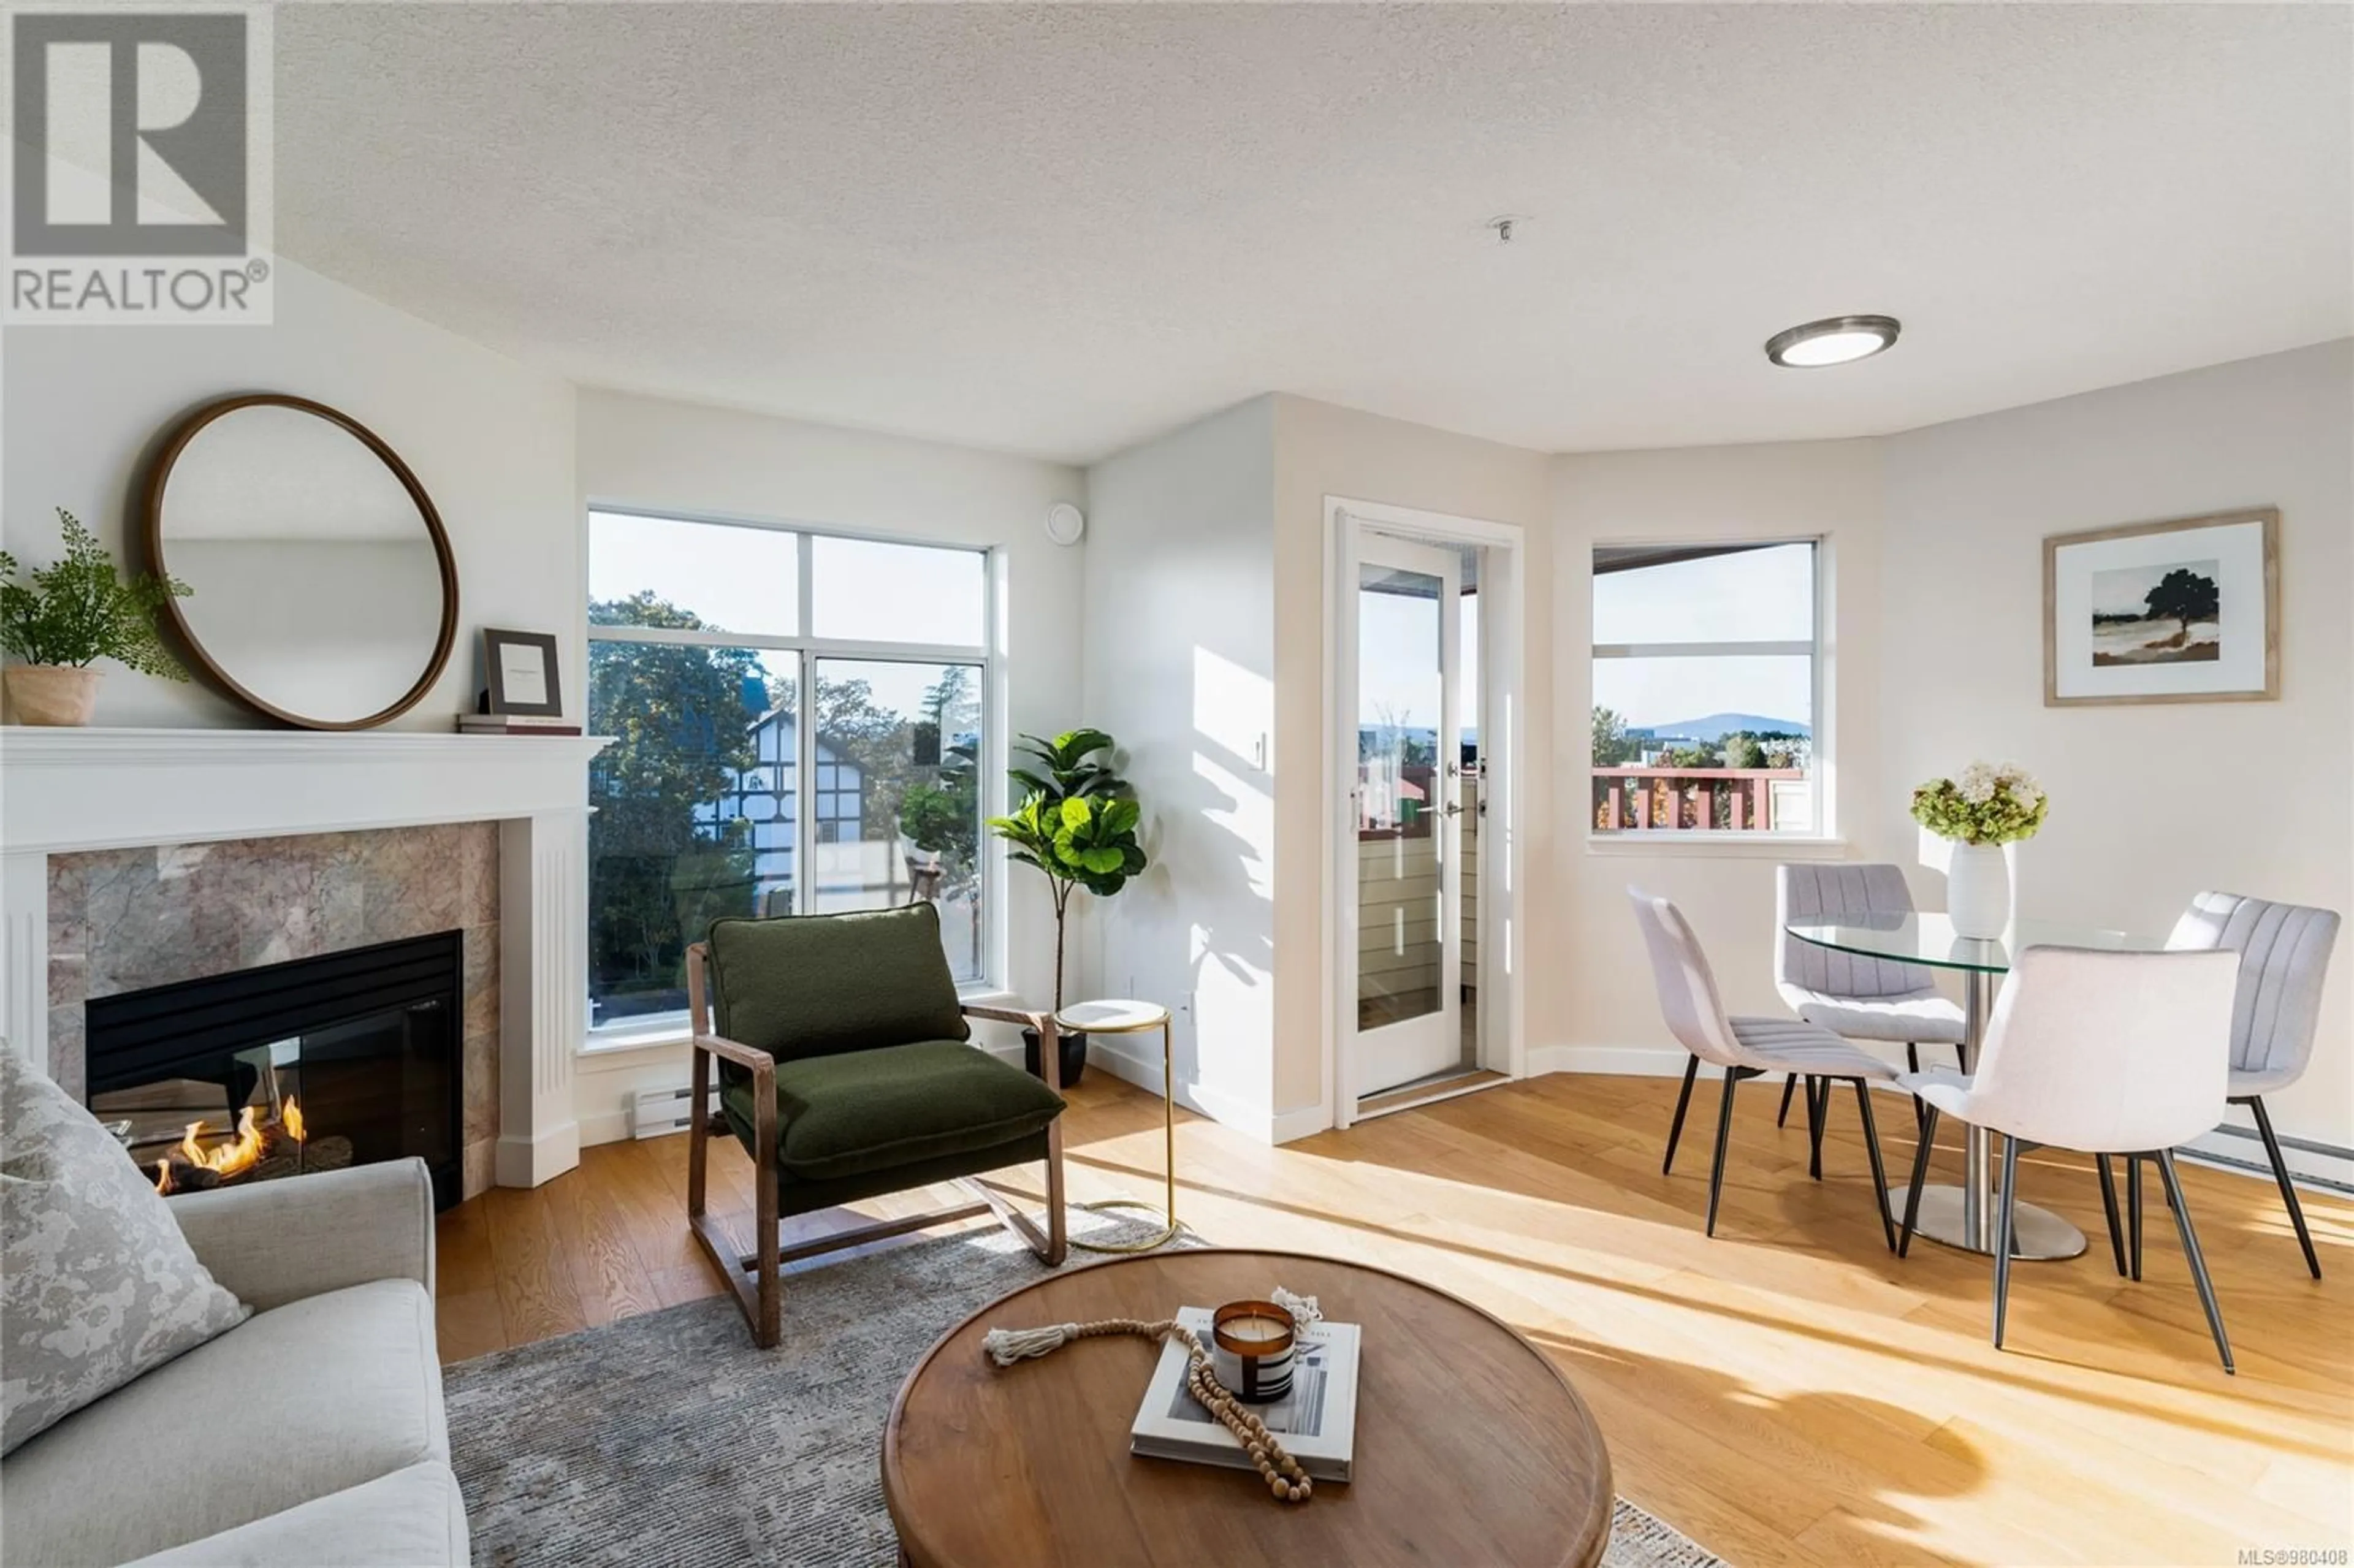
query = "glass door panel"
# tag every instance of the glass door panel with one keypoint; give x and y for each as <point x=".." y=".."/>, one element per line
<point x="1408" y="805"/>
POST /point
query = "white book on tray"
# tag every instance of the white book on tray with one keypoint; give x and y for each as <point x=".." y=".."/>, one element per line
<point x="1317" y="1422"/>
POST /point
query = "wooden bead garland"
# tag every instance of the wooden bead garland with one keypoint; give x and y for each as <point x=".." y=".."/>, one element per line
<point x="1285" y="1479"/>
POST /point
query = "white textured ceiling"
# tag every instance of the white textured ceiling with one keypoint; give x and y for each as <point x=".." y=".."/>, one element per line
<point x="1061" y="230"/>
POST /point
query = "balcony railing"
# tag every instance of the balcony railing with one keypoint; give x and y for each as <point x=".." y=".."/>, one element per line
<point x="1726" y="800"/>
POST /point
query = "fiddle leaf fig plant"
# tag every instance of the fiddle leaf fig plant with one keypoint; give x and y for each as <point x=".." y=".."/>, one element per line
<point x="81" y="609"/>
<point x="1076" y="824"/>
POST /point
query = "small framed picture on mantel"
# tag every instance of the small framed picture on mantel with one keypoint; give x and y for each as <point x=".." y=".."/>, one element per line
<point x="522" y="691"/>
<point x="2186" y="610"/>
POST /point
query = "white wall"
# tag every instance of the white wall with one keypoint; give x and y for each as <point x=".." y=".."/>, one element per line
<point x="1593" y="1006"/>
<point x="490" y="439"/>
<point x="1180" y="627"/>
<point x="653" y="453"/>
<point x="2149" y="804"/>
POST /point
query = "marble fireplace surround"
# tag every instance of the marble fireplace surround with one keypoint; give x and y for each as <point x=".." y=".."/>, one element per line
<point x="137" y="857"/>
<point x="126" y="919"/>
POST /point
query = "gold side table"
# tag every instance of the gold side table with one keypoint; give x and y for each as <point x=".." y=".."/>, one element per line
<point x="1123" y="1017"/>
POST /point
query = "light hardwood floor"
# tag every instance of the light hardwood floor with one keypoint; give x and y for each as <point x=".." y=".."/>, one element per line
<point x="1786" y="1394"/>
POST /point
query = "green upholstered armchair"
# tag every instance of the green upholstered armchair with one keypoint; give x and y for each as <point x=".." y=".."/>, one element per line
<point x="845" y="1071"/>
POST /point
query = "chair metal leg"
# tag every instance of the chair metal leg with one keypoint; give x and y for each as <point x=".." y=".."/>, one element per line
<point x="1817" y="1104"/>
<point x="2004" y="1206"/>
<point x="1879" y="1174"/>
<point x="1920" y="1172"/>
<point x="1675" y="1128"/>
<point x="1723" y="1138"/>
<point x="2109" y="1206"/>
<point x="1913" y="1055"/>
<point x="2197" y="1259"/>
<point x="2133" y="1215"/>
<point x="2288" y="1188"/>
<point x="1782" y="1116"/>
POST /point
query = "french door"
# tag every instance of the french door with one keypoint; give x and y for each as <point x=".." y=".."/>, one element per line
<point x="1404" y="885"/>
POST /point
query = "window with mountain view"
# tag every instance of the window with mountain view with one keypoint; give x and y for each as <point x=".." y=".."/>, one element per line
<point x="1705" y="684"/>
<point x="797" y="724"/>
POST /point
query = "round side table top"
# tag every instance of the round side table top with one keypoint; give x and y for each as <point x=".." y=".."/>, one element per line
<point x="1116" y="1017"/>
<point x="1470" y="1446"/>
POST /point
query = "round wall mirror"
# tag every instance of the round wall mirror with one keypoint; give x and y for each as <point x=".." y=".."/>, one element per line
<point x="325" y="592"/>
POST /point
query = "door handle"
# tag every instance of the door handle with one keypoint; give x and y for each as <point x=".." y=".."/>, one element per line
<point x="1452" y="808"/>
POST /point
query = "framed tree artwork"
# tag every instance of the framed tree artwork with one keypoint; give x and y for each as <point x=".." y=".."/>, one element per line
<point x="2181" y="611"/>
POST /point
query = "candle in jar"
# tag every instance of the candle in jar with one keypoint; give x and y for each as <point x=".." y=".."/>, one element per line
<point x="1252" y="1328"/>
<point x="1257" y="1331"/>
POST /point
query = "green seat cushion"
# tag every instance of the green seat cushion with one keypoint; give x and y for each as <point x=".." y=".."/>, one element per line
<point x="856" y="1112"/>
<point x="807" y="985"/>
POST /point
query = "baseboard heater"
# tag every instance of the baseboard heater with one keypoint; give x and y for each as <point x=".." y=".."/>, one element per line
<point x="2257" y="1165"/>
<point x="657" y="1113"/>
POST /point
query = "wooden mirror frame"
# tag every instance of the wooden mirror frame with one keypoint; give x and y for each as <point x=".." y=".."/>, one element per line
<point x="202" y="662"/>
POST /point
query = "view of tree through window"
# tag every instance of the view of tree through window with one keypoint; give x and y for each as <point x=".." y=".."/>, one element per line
<point x="1704" y="688"/>
<point x="697" y="670"/>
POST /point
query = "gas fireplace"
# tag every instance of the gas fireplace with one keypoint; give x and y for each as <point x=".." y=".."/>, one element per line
<point x="344" y="1059"/>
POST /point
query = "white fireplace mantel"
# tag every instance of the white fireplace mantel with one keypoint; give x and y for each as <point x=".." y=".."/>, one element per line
<point x="63" y="790"/>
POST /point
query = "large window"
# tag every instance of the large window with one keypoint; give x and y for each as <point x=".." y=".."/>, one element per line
<point x="797" y="724"/>
<point x="1705" y="688"/>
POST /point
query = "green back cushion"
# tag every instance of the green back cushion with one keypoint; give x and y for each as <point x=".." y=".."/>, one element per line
<point x="812" y="985"/>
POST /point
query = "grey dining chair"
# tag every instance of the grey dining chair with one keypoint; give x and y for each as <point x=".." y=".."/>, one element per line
<point x="1850" y="994"/>
<point x="1749" y="1047"/>
<point x="2101" y="1051"/>
<point x="2284" y="951"/>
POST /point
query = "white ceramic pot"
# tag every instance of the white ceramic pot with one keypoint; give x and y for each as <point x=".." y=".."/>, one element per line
<point x="1977" y="891"/>
<point x="51" y="694"/>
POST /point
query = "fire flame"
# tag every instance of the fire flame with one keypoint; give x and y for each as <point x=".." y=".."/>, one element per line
<point x="242" y="1152"/>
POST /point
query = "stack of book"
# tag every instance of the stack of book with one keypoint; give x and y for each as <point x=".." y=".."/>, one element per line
<point x="515" y="723"/>
<point x="1316" y="1421"/>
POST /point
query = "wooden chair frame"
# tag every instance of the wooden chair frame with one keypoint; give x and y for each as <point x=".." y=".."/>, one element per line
<point x="757" y="1277"/>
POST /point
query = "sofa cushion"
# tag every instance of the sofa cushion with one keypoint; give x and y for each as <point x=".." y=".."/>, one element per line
<point x="410" y="1518"/>
<point x="806" y="985"/>
<point x="97" y="1283"/>
<point x="302" y="1401"/>
<point x="861" y="1111"/>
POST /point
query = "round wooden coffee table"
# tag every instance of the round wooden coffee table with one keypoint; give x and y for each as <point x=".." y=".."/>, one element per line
<point x="1471" y="1447"/>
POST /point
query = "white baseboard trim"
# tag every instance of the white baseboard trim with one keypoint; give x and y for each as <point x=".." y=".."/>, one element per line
<point x="1115" y="1054"/>
<point x="604" y="1127"/>
<point x="528" y="1161"/>
<point x="1135" y="1059"/>
<point x="1300" y="1121"/>
<point x="1627" y="1060"/>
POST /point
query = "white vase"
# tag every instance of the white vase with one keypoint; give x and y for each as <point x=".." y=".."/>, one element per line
<point x="1977" y="891"/>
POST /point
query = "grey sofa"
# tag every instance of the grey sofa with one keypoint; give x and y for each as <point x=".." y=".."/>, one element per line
<point x="310" y="1437"/>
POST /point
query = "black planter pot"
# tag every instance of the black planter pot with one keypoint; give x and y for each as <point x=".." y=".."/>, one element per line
<point x="1072" y="1057"/>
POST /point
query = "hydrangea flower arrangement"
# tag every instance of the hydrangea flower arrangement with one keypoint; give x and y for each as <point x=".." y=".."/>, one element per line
<point x="1988" y="804"/>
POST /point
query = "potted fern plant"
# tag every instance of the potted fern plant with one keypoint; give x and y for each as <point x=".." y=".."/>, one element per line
<point x="1076" y="824"/>
<point x="67" y="616"/>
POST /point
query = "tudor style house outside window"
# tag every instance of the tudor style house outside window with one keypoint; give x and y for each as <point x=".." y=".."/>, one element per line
<point x="1707" y="681"/>
<point x="798" y="724"/>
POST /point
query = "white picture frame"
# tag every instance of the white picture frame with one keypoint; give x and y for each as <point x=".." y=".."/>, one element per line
<point x="2184" y="610"/>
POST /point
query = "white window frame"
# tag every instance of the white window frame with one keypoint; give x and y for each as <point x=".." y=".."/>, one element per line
<point x="1825" y="835"/>
<point x="809" y="650"/>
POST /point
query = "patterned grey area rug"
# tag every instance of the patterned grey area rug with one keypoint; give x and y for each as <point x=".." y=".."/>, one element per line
<point x="667" y="1439"/>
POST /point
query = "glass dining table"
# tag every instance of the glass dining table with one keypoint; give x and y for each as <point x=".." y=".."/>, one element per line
<point x="1963" y="1216"/>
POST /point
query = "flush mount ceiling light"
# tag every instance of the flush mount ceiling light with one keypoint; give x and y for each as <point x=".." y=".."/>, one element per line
<point x="1834" y="340"/>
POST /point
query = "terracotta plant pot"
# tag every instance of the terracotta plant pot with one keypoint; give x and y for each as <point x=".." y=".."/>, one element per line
<point x="51" y="694"/>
